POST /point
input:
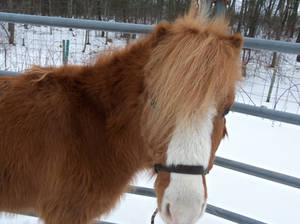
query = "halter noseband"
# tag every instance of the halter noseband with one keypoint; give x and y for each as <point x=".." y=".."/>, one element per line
<point x="182" y="169"/>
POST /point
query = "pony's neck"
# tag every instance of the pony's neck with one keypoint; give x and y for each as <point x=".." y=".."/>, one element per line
<point x="117" y="79"/>
<point x="116" y="84"/>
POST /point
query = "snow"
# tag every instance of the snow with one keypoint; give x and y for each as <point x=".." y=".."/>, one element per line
<point x="18" y="219"/>
<point x="255" y="141"/>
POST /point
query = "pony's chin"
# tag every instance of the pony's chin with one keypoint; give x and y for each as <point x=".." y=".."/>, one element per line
<point x="203" y="210"/>
<point x="168" y="220"/>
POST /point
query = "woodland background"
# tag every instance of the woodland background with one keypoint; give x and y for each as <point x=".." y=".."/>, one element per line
<point x="267" y="18"/>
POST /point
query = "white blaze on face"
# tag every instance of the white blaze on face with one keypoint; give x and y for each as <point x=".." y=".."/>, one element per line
<point x="184" y="199"/>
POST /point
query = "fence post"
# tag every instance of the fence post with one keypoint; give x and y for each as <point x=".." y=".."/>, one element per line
<point x="67" y="52"/>
<point x="63" y="51"/>
<point x="275" y="68"/>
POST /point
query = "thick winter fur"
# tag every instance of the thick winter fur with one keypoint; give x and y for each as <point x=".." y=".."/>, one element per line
<point x="71" y="138"/>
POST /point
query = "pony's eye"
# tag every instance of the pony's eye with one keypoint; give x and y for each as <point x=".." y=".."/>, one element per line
<point x="225" y="112"/>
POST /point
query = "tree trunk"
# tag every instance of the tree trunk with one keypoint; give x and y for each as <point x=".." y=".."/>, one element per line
<point x="274" y="65"/>
<point x="70" y="8"/>
<point x="50" y="7"/>
<point x="241" y="17"/>
<point x="86" y="41"/>
<point x="232" y="6"/>
<point x="292" y="20"/>
<point x="298" y="41"/>
<point x="254" y="18"/>
<point x="11" y="30"/>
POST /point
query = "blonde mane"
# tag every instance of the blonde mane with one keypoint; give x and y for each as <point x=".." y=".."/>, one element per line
<point x="194" y="66"/>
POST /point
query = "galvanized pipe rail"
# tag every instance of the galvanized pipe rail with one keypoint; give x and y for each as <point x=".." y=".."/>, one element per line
<point x="3" y="72"/>
<point x="210" y="209"/>
<point x="266" y="113"/>
<point x="258" y="172"/>
<point x="35" y="216"/>
<point x="75" y="23"/>
<point x="251" y="43"/>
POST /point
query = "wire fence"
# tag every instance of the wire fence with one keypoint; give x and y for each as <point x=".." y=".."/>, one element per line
<point x="256" y="88"/>
<point x="43" y="46"/>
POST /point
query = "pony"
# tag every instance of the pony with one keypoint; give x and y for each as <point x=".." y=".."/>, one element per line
<point x="73" y="137"/>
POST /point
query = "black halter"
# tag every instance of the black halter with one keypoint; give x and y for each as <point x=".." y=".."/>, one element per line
<point x="183" y="169"/>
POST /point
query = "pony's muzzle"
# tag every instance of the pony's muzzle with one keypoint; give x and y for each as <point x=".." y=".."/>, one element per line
<point x="184" y="199"/>
<point x="181" y="213"/>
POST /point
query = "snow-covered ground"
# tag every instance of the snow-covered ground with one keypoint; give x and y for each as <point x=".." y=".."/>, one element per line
<point x="256" y="141"/>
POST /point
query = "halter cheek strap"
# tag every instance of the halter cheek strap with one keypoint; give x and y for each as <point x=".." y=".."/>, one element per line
<point x="182" y="169"/>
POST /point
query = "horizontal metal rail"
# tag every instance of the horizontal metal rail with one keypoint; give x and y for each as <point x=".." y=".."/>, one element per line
<point x="75" y="23"/>
<point x="35" y="216"/>
<point x="258" y="172"/>
<point x="266" y="113"/>
<point x="251" y="43"/>
<point x="271" y="45"/>
<point x="210" y="209"/>
<point x="240" y="108"/>
<point x="2" y="72"/>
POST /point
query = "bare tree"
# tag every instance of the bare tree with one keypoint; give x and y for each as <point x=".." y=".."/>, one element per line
<point x="298" y="41"/>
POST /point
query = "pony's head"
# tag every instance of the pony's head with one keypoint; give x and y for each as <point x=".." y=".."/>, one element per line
<point x="190" y="84"/>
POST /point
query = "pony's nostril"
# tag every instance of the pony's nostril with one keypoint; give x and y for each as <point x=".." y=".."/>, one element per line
<point x="168" y="210"/>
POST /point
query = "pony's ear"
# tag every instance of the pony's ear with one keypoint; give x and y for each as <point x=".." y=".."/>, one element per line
<point x="160" y="31"/>
<point x="236" y="40"/>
